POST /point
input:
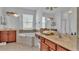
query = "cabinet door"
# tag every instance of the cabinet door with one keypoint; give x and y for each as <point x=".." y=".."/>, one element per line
<point x="44" y="47"/>
<point x="4" y="36"/>
<point x="51" y="44"/>
<point x="59" y="48"/>
<point x="12" y="36"/>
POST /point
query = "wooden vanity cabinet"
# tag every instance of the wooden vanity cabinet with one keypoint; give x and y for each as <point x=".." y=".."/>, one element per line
<point x="47" y="45"/>
<point x="11" y="36"/>
<point x="4" y="36"/>
<point x="42" y="39"/>
<point x="44" y="47"/>
<point x="59" y="48"/>
<point x="8" y="36"/>
<point x="52" y="45"/>
<point x="50" y="49"/>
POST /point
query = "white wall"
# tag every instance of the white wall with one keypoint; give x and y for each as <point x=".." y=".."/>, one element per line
<point x="57" y="17"/>
<point x="16" y="22"/>
<point x="1" y="26"/>
<point x="0" y="11"/>
<point x="38" y="19"/>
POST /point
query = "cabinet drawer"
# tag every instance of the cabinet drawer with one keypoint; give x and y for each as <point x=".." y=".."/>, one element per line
<point x="44" y="47"/>
<point x="59" y="48"/>
<point x="50" y="44"/>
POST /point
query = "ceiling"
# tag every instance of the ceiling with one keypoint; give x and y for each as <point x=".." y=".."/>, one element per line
<point x="43" y="9"/>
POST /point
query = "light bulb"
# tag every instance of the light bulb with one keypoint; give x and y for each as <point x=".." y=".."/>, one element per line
<point x="15" y="15"/>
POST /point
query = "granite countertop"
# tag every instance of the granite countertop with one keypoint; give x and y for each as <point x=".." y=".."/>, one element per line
<point x="66" y="42"/>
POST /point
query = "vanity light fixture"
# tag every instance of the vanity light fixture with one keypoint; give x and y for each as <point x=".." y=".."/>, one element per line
<point x="12" y="13"/>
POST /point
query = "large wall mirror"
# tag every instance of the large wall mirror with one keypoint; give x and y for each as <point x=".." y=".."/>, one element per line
<point x="66" y="22"/>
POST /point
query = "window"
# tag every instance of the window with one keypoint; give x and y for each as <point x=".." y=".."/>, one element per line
<point x="43" y="22"/>
<point x="27" y="21"/>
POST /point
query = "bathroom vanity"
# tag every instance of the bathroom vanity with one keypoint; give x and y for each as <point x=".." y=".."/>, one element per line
<point x="7" y="35"/>
<point x="54" y="43"/>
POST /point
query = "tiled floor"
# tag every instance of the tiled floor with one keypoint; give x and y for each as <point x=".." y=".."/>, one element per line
<point x="22" y="44"/>
<point x="17" y="47"/>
